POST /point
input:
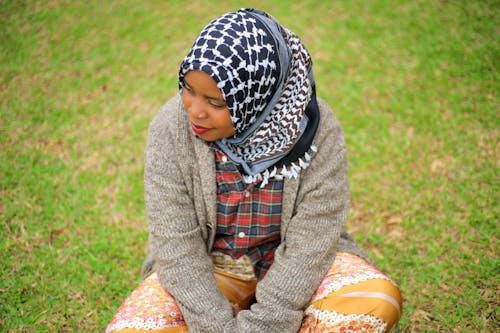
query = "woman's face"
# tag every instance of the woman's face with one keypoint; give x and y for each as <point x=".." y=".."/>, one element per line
<point x="206" y="108"/>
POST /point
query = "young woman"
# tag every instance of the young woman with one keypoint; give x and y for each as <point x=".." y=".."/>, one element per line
<point x="247" y="198"/>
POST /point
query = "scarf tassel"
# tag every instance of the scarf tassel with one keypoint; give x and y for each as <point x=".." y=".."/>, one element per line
<point x="292" y="171"/>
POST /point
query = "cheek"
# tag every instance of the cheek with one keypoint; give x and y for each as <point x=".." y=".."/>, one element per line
<point x="225" y="121"/>
<point x="186" y="101"/>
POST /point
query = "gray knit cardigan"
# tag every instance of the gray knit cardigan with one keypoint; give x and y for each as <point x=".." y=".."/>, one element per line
<point x="180" y="194"/>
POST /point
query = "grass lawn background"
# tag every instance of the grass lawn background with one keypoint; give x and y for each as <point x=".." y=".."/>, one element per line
<point x="414" y="83"/>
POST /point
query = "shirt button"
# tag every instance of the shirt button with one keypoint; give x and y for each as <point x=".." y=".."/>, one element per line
<point x="241" y="234"/>
<point x="247" y="194"/>
<point x="224" y="158"/>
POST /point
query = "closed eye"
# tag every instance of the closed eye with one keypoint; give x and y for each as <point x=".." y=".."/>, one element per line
<point x="215" y="104"/>
<point x="186" y="87"/>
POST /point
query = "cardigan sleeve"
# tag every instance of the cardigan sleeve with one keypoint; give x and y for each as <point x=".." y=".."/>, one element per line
<point x="176" y="242"/>
<point x="309" y="243"/>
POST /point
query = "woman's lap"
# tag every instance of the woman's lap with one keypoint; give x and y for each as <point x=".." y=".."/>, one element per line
<point x="353" y="296"/>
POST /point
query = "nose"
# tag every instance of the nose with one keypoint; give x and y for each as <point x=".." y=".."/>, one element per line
<point x="198" y="109"/>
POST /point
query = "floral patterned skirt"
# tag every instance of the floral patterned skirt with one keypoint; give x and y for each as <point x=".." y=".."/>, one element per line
<point x="353" y="297"/>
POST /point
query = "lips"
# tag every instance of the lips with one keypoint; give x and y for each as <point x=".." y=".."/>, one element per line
<point x="199" y="130"/>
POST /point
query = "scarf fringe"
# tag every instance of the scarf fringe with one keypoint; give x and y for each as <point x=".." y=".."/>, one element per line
<point x="290" y="171"/>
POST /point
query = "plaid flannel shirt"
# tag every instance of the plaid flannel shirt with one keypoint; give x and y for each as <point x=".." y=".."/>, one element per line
<point x="248" y="217"/>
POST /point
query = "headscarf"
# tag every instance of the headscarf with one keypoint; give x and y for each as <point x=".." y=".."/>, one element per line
<point x="265" y="75"/>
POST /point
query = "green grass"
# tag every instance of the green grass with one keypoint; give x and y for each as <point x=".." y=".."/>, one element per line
<point x="415" y="84"/>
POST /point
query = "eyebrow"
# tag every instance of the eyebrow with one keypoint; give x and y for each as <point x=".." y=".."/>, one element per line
<point x="206" y="96"/>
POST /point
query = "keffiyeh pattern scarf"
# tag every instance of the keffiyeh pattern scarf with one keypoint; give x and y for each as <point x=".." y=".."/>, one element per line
<point x="264" y="73"/>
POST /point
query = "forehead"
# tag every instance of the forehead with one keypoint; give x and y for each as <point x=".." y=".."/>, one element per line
<point x="202" y="82"/>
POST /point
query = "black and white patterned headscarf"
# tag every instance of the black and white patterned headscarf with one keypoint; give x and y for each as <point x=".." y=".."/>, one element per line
<point x="265" y="75"/>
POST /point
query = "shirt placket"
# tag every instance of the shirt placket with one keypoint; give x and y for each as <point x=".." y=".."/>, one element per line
<point x="242" y="229"/>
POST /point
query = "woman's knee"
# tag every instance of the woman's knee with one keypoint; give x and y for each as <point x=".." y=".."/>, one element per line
<point x="374" y="304"/>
